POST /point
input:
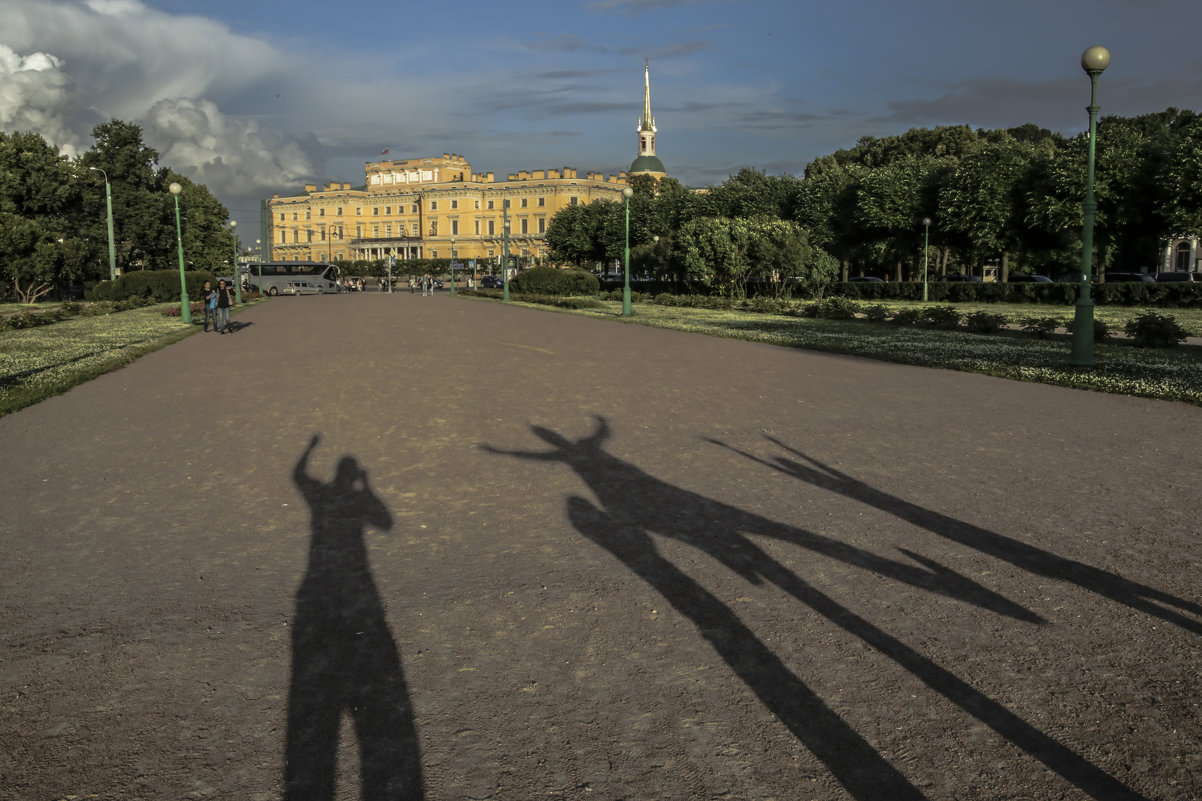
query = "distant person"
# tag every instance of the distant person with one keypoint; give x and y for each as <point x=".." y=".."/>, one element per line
<point x="208" y="297"/>
<point x="225" y="299"/>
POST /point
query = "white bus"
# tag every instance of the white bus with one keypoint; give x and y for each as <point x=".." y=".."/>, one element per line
<point x="277" y="274"/>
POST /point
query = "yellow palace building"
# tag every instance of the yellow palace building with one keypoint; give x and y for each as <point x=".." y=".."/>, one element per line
<point x="429" y="208"/>
<point x="438" y="208"/>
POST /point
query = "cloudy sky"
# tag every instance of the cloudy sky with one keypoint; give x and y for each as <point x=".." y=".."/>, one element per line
<point x="253" y="98"/>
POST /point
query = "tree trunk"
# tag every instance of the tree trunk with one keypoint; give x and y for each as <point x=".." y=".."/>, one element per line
<point x="1005" y="266"/>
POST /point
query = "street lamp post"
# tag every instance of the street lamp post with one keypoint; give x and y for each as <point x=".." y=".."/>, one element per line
<point x="626" y="193"/>
<point x="452" y="266"/>
<point x="259" y="257"/>
<point x="1093" y="61"/>
<point x="185" y="311"/>
<point x="108" y="202"/>
<point x="237" y="277"/>
<point x="505" y="248"/>
<point x="926" y="245"/>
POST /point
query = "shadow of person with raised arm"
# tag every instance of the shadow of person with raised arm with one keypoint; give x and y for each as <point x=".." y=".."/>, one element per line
<point x="344" y="659"/>
<point x="635" y="505"/>
<point x="1157" y="603"/>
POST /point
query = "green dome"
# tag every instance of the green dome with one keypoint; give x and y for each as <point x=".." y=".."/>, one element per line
<point x="647" y="164"/>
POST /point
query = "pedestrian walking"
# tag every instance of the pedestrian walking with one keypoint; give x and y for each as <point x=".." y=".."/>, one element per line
<point x="208" y="298"/>
<point x="225" y="299"/>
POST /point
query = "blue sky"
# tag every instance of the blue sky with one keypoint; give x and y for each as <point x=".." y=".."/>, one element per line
<point x="253" y="98"/>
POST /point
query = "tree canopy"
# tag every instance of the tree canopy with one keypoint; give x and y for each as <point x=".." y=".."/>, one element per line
<point x="53" y="214"/>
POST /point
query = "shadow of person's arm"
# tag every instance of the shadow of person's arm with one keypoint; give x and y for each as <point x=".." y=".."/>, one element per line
<point x="372" y="508"/>
<point x="300" y="473"/>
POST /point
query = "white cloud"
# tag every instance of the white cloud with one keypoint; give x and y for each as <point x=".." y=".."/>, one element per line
<point x="35" y="93"/>
<point x="195" y="139"/>
<point x="66" y="65"/>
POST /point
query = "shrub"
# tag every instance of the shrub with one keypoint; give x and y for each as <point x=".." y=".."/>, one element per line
<point x="909" y="316"/>
<point x="560" y="302"/>
<point x="1041" y="327"/>
<point x="945" y="317"/>
<point x="1101" y="331"/>
<point x="981" y="322"/>
<point x="1152" y="330"/>
<point x="553" y="281"/>
<point x="153" y="286"/>
<point x="877" y="312"/>
<point x="834" y="308"/>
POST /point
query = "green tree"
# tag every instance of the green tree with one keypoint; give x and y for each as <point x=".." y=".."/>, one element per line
<point x="981" y="203"/>
<point x="40" y="248"/>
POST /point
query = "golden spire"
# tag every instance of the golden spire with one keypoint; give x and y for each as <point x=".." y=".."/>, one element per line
<point x="647" y="122"/>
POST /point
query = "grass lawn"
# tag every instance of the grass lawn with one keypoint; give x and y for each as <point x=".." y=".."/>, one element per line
<point x="46" y="360"/>
<point x="1165" y="373"/>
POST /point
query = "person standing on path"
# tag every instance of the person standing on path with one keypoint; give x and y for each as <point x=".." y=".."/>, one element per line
<point x="207" y="300"/>
<point x="225" y="299"/>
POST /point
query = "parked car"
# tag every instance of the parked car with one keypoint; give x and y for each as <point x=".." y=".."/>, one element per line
<point x="1023" y="278"/>
<point x="302" y="288"/>
<point x="1175" y="276"/>
<point x="867" y="279"/>
<point x="491" y="282"/>
<point x="1069" y="278"/>
<point x="962" y="278"/>
<point x="1115" y="278"/>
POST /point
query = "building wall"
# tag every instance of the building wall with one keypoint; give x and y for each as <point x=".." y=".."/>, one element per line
<point x="421" y="208"/>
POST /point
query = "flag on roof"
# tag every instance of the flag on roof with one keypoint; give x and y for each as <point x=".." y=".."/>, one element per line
<point x="384" y="152"/>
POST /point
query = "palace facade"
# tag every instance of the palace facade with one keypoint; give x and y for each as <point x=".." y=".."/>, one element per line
<point x="429" y="208"/>
<point x="439" y="208"/>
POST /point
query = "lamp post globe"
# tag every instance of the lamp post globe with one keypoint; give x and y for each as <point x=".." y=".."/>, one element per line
<point x="185" y="311"/>
<point x="627" y="193"/>
<point x="1093" y="61"/>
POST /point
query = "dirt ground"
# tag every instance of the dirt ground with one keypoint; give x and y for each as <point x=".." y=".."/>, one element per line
<point x="401" y="547"/>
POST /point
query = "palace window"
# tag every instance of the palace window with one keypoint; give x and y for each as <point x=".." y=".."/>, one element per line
<point x="542" y="225"/>
<point x="433" y="227"/>
<point x="492" y="227"/>
<point x="454" y="227"/>
<point x="523" y="202"/>
<point x="454" y="204"/>
<point x="525" y="226"/>
<point x="490" y="204"/>
<point x="542" y="201"/>
<point x="321" y="212"/>
<point x="433" y="205"/>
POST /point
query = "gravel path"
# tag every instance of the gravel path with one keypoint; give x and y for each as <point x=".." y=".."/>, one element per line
<point x="443" y="548"/>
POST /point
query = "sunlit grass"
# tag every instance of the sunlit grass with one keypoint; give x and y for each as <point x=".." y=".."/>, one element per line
<point x="1164" y="373"/>
<point x="36" y="363"/>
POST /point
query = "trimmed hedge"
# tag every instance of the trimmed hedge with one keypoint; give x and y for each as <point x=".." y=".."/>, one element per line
<point x="1167" y="295"/>
<point x="553" y="281"/>
<point x="157" y="286"/>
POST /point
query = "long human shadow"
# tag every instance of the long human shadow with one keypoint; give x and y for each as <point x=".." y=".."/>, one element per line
<point x="344" y="659"/>
<point x="1038" y="561"/>
<point x="635" y="504"/>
